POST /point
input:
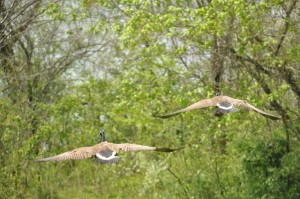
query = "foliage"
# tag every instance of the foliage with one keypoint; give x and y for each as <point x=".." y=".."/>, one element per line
<point x="70" y="69"/>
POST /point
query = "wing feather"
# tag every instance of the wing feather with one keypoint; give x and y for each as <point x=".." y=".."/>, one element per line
<point x="126" y="147"/>
<point x="80" y="153"/>
<point x="244" y="104"/>
<point x="198" y="105"/>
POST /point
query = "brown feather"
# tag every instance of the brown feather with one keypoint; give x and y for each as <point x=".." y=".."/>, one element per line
<point x="126" y="147"/>
<point x="244" y="104"/>
<point x="87" y="152"/>
<point x="80" y="153"/>
<point x="201" y="104"/>
<point x="216" y="100"/>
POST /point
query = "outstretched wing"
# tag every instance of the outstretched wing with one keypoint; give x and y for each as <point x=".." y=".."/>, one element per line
<point x="244" y="104"/>
<point x="168" y="150"/>
<point x="135" y="147"/>
<point x="198" y="105"/>
<point x="126" y="147"/>
<point x="80" y="153"/>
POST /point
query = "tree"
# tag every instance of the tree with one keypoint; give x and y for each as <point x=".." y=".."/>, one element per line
<point x="142" y="58"/>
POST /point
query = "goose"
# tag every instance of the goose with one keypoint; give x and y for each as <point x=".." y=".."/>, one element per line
<point x="104" y="152"/>
<point x="224" y="104"/>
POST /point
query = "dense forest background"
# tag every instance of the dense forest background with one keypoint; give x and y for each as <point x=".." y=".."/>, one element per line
<point x="72" y="68"/>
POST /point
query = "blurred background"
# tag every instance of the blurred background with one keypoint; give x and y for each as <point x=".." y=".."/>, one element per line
<point x="72" y="68"/>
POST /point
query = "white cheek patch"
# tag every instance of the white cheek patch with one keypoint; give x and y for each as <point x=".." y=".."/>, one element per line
<point x="113" y="155"/>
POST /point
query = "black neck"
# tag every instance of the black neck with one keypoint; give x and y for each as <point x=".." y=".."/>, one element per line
<point x="102" y="135"/>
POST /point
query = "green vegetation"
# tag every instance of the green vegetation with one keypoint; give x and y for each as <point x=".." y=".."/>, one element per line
<point x="70" y="69"/>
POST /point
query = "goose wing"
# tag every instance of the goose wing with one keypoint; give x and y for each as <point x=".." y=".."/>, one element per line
<point x="80" y="153"/>
<point x="244" y="104"/>
<point x="198" y="105"/>
<point x="135" y="147"/>
<point x="126" y="147"/>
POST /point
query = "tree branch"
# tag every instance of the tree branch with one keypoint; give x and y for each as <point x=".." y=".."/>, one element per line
<point x="286" y="27"/>
<point x="259" y="68"/>
<point x="179" y="181"/>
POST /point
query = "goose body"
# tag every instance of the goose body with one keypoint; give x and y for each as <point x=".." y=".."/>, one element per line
<point x="104" y="152"/>
<point x="224" y="104"/>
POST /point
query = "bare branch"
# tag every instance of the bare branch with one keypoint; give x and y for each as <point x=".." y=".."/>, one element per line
<point x="286" y="26"/>
<point x="179" y="181"/>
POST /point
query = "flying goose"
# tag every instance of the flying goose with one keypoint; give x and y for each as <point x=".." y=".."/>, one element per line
<point x="225" y="105"/>
<point x="104" y="152"/>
